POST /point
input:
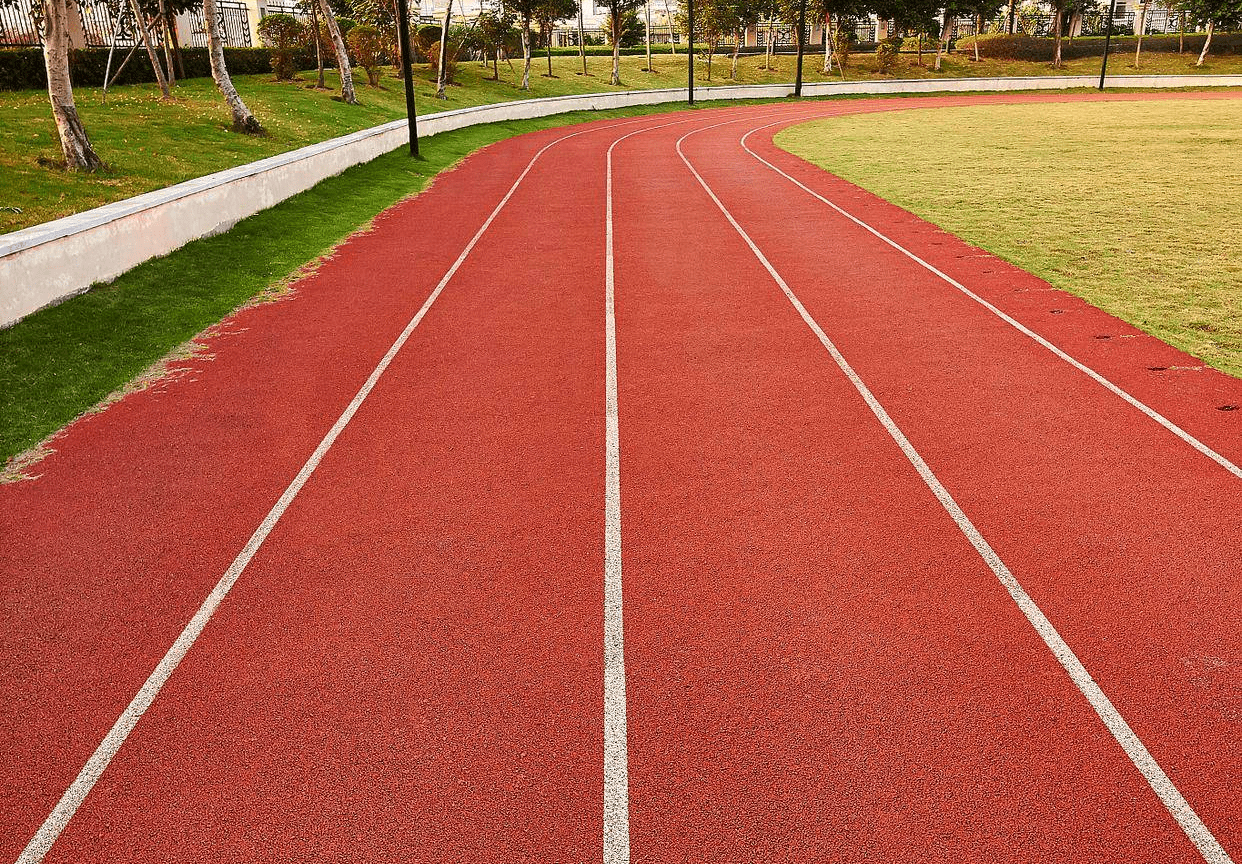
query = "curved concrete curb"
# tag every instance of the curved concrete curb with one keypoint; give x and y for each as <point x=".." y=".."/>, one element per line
<point x="48" y="263"/>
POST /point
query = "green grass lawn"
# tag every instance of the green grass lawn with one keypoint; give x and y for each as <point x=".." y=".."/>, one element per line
<point x="1132" y="206"/>
<point x="149" y="144"/>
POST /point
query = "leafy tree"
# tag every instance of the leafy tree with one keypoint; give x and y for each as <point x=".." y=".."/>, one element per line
<point x="1215" y="14"/>
<point x="620" y="26"/>
<point x="524" y="11"/>
<point x="713" y="20"/>
<point x="496" y="33"/>
<point x="547" y="14"/>
<point x="338" y="46"/>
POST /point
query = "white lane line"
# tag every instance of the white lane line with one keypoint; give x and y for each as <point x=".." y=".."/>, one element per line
<point x="69" y="803"/>
<point x="1086" y="370"/>
<point x="616" y="734"/>
<point x="1204" y="841"/>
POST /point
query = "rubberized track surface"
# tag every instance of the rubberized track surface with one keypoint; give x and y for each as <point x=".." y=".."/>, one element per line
<point x="420" y="657"/>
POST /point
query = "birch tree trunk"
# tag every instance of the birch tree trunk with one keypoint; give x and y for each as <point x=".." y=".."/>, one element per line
<point x="648" y="69"/>
<point x="827" y="44"/>
<point x="342" y="55"/>
<point x="767" y="60"/>
<point x="526" y="54"/>
<point x="441" y="82"/>
<point x="581" y="38"/>
<point x="737" y="46"/>
<point x="944" y="37"/>
<point x="79" y="154"/>
<point x="243" y="120"/>
<point x="669" y="17"/>
<point x="615" y="14"/>
<point x="978" y="33"/>
<point x="1207" y="43"/>
<point x="1056" y="54"/>
<point x="140" y="22"/>
<point x="168" y="60"/>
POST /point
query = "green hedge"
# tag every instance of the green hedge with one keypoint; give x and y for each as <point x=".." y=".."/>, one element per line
<point x="1002" y="46"/>
<point x="22" y="68"/>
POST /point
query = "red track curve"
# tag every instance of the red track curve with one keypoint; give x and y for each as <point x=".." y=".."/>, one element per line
<point x="818" y="665"/>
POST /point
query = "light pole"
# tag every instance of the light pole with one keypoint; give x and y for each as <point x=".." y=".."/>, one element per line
<point x="801" y="46"/>
<point x="1108" y="37"/>
<point x="407" y="71"/>
<point x="690" y="46"/>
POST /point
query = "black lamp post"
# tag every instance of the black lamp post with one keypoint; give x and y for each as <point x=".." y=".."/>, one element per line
<point x="690" y="46"/>
<point x="1108" y="37"/>
<point x="801" y="46"/>
<point x="403" y="36"/>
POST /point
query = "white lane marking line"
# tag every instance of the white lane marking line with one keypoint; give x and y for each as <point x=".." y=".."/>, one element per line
<point x="616" y="732"/>
<point x="1204" y="841"/>
<point x="1086" y="370"/>
<point x="69" y="803"/>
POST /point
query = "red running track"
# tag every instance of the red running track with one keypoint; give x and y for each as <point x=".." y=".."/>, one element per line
<point x="818" y="663"/>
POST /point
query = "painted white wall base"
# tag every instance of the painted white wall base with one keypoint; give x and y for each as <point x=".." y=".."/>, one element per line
<point x="47" y="263"/>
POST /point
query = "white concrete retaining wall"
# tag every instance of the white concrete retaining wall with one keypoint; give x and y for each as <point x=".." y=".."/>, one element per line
<point x="47" y="263"/>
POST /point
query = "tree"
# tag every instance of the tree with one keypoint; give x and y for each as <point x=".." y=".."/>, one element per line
<point x="243" y="120"/>
<point x="547" y="14"/>
<point x="618" y="10"/>
<point x="342" y="56"/>
<point x="1216" y="14"/>
<point x="713" y="20"/>
<point x="442" y="65"/>
<point x="495" y="31"/>
<point x="140" y="24"/>
<point x="74" y="143"/>
<point x="284" y="34"/>
<point x="525" y="11"/>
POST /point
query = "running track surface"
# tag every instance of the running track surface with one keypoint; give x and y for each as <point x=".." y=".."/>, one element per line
<point x="820" y="660"/>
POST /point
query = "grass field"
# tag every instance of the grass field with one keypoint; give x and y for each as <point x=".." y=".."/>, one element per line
<point x="1131" y="205"/>
<point x="149" y="144"/>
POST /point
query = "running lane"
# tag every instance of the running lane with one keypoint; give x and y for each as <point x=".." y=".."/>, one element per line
<point x="411" y="663"/>
<point x="1122" y="533"/>
<point x="820" y="665"/>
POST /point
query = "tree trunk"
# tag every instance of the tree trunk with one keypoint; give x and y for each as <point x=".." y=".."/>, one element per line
<point x="342" y="55"/>
<point x="243" y="120"/>
<point x="1056" y="52"/>
<point x="827" y="44"/>
<point x="767" y="60"/>
<point x="549" y="38"/>
<point x="737" y="46"/>
<point x="669" y="15"/>
<point x="79" y="154"/>
<point x="615" y="14"/>
<point x="1139" y="25"/>
<point x="168" y="60"/>
<point x="526" y="54"/>
<point x="978" y="33"/>
<point x="176" y="43"/>
<point x="581" y="38"/>
<point x="140" y="22"/>
<point x="442" y="70"/>
<point x="1207" y="43"/>
<point x="944" y="36"/>
<point x="648" y="7"/>
<point x="314" y="7"/>
<point x="711" y="49"/>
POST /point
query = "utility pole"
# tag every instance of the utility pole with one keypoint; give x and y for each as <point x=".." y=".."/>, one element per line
<point x="1108" y="37"/>
<point x="407" y="71"/>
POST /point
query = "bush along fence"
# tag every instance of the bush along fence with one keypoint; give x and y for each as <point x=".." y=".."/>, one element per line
<point x="999" y="46"/>
<point x="23" y="68"/>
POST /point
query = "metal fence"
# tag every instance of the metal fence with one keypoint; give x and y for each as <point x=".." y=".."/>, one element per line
<point x="20" y="25"/>
<point x="234" y="25"/>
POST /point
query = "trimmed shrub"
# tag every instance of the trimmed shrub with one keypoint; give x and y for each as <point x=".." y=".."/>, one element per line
<point x="284" y="34"/>
<point x="1002" y="46"/>
<point x="22" y="68"/>
<point x="886" y="54"/>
